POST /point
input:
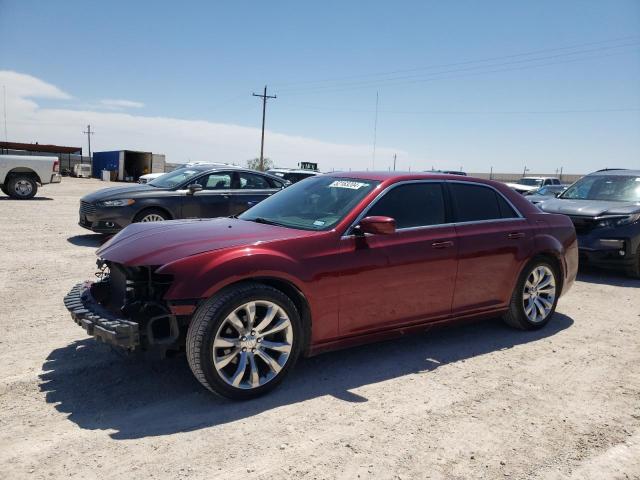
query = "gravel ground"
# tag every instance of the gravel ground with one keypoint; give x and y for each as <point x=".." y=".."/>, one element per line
<point x="476" y="401"/>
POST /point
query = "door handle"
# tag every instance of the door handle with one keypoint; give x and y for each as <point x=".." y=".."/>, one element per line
<point x="251" y="204"/>
<point x="445" y="244"/>
<point x="515" y="235"/>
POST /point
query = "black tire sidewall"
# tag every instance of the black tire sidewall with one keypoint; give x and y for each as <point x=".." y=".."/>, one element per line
<point x="215" y="315"/>
<point x="12" y="183"/>
<point x="518" y="303"/>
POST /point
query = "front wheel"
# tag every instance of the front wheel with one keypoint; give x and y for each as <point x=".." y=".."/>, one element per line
<point x="22" y="187"/>
<point x="151" y="215"/>
<point x="243" y="342"/>
<point x="535" y="297"/>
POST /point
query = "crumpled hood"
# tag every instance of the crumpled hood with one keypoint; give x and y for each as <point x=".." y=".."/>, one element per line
<point x="589" y="208"/>
<point x="164" y="242"/>
<point x="117" y="192"/>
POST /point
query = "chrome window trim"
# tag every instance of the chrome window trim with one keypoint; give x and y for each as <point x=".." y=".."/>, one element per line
<point x="362" y="214"/>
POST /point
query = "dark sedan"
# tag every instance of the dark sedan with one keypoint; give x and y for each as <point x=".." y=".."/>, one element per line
<point x="605" y="209"/>
<point x="200" y="191"/>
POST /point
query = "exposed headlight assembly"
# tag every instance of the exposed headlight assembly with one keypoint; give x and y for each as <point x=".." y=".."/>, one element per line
<point x="117" y="203"/>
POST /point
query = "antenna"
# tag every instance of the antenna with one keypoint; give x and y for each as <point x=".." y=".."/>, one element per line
<point x="375" y="135"/>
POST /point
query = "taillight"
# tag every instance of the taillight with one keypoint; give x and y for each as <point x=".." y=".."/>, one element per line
<point x="56" y="166"/>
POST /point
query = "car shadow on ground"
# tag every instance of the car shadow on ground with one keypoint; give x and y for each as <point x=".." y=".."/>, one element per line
<point x="607" y="277"/>
<point x="22" y="200"/>
<point x="88" y="240"/>
<point x="100" y="389"/>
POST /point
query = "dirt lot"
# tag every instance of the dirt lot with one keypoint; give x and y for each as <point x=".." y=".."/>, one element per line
<point x="478" y="401"/>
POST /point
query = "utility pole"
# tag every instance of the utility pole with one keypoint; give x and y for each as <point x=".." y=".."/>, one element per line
<point x="4" y="90"/>
<point x="524" y="172"/>
<point x="89" y="133"/>
<point x="264" y="97"/>
<point x="491" y="173"/>
<point x="394" y="162"/>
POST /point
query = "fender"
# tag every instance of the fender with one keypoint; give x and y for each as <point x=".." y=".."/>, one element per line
<point x="201" y="276"/>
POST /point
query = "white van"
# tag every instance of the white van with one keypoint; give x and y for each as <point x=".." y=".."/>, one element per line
<point x="82" y="170"/>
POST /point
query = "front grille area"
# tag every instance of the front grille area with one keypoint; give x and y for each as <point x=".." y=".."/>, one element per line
<point x="583" y="225"/>
<point x="131" y="289"/>
<point x="87" y="208"/>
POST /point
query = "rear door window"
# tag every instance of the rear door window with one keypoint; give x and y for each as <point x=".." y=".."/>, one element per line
<point x="251" y="181"/>
<point x="412" y="205"/>
<point x="473" y="203"/>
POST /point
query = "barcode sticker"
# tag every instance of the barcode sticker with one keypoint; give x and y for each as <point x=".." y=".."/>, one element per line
<point x="348" y="184"/>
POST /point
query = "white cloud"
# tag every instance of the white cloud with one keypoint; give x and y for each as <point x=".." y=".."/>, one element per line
<point x="181" y="140"/>
<point x="112" y="103"/>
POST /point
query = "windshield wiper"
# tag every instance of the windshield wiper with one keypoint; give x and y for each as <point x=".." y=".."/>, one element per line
<point x="267" y="222"/>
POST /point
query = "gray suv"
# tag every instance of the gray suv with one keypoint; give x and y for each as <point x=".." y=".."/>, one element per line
<point x="605" y="209"/>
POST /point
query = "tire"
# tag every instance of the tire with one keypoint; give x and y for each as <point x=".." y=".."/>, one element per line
<point x="151" y="215"/>
<point x="22" y="187"/>
<point x="534" y="301"/>
<point x="634" y="272"/>
<point x="245" y="368"/>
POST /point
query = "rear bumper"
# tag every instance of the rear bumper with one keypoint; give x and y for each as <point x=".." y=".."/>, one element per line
<point x="99" y="322"/>
<point x="56" y="178"/>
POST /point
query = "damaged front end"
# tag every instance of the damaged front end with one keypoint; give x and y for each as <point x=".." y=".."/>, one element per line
<point x="125" y="307"/>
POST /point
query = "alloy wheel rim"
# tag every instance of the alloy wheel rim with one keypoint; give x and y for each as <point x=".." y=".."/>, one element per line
<point x="539" y="293"/>
<point x="152" y="217"/>
<point x="253" y="344"/>
<point x="23" y="188"/>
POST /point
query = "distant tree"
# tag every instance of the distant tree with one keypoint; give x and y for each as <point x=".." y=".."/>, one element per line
<point x="254" y="164"/>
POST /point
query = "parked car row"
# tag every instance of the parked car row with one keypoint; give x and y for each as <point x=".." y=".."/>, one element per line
<point x="332" y="261"/>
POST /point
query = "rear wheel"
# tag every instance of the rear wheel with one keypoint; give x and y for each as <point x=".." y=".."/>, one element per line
<point x="535" y="297"/>
<point x="151" y="215"/>
<point x="22" y="187"/>
<point x="242" y="343"/>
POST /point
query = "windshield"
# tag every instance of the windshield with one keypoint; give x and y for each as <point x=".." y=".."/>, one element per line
<point x="316" y="203"/>
<point x="532" y="182"/>
<point x="616" y="188"/>
<point x="171" y="179"/>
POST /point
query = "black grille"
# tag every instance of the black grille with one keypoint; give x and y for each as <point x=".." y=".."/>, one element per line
<point x="87" y="208"/>
<point x="583" y="224"/>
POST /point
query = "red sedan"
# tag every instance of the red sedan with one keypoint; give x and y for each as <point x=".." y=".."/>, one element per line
<point x="333" y="261"/>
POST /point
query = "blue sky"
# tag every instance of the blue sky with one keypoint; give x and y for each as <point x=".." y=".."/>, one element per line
<point x="545" y="84"/>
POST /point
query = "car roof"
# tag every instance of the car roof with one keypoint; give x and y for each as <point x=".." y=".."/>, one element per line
<point x="540" y="178"/>
<point x="393" y="177"/>
<point x="294" y="170"/>
<point x="622" y="172"/>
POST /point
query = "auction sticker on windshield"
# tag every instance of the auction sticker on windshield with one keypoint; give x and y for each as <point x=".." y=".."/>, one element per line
<point x="348" y="184"/>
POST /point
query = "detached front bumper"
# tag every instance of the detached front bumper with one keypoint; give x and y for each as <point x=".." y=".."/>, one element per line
<point x="99" y="322"/>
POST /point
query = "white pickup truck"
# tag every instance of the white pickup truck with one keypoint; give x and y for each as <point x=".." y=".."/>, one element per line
<point x="21" y="174"/>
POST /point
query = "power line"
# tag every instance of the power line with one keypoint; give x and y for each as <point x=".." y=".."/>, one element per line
<point x="264" y="97"/>
<point x="482" y="60"/>
<point x="409" y="79"/>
